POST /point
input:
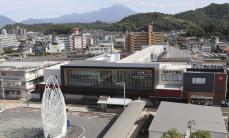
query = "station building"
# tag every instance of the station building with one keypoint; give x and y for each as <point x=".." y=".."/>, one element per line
<point x="145" y="76"/>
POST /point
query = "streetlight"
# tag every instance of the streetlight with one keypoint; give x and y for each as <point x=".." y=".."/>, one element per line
<point x="191" y="123"/>
<point x="124" y="92"/>
<point x="3" y="91"/>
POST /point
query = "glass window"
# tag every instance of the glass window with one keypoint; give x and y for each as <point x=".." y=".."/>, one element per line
<point x="168" y="77"/>
<point x="174" y="77"/>
<point x="163" y="77"/>
<point x="198" y="80"/>
<point x="180" y="77"/>
<point x="18" y="92"/>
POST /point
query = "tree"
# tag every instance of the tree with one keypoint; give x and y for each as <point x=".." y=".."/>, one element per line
<point x="172" y="133"/>
<point x="201" y="134"/>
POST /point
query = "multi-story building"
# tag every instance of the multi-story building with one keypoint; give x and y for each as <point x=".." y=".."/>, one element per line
<point x="77" y="40"/>
<point x="8" y="40"/>
<point x="64" y="39"/>
<point x="18" y="79"/>
<point x="135" y="40"/>
<point x="205" y="84"/>
<point x="20" y="33"/>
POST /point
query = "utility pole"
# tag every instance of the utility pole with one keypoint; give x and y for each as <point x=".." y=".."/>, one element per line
<point x="3" y="91"/>
<point x="124" y="92"/>
<point x="0" y="47"/>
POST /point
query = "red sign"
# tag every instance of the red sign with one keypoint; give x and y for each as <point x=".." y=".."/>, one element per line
<point x="220" y="78"/>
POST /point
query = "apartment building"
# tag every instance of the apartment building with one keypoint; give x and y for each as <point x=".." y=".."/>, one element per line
<point x="18" y="79"/>
<point x="8" y="40"/>
<point x="135" y="40"/>
<point x="77" y="40"/>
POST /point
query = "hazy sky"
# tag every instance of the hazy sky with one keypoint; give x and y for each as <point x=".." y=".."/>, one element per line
<point x="23" y="9"/>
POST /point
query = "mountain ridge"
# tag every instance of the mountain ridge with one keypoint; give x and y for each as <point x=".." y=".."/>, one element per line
<point x="110" y="14"/>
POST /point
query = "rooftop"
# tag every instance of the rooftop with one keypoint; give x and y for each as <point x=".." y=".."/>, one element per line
<point x="174" y="65"/>
<point x="176" y="53"/>
<point x="24" y="66"/>
<point x="101" y="64"/>
<point x="123" y="125"/>
<point x="177" y="115"/>
<point x="144" y="55"/>
<point x="207" y="68"/>
<point x="57" y="66"/>
<point x="114" y="101"/>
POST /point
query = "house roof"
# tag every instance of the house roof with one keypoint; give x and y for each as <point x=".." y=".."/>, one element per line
<point x="177" y="115"/>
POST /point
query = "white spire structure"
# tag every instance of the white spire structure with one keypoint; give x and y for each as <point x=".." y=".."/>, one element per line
<point x="53" y="112"/>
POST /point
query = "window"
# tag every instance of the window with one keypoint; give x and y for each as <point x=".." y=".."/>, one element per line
<point x="198" y="80"/>
<point x="163" y="77"/>
<point x="18" y="92"/>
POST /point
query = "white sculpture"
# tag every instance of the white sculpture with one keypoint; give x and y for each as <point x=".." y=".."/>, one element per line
<point x="53" y="112"/>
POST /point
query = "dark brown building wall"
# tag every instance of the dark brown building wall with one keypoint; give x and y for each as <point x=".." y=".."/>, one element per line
<point x="197" y="94"/>
<point x="220" y="87"/>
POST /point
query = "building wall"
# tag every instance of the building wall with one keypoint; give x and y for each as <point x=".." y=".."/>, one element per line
<point x="52" y="72"/>
<point x="135" y="40"/>
<point x="18" y="84"/>
<point x="215" y="86"/>
<point x="189" y="86"/>
<point x="174" y="77"/>
<point x="220" y="87"/>
<point x="103" y="80"/>
<point x="9" y="40"/>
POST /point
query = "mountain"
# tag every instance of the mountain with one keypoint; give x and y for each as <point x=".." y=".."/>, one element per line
<point x="5" y="20"/>
<point x="213" y="19"/>
<point x="207" y="21"/>
<point x="162" y="22"/>
<point x="111" y="14"/>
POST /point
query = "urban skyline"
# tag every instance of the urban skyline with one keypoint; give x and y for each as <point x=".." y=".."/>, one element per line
<point x="25" y="9"/>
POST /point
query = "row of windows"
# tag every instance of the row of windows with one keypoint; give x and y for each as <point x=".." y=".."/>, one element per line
<point x="171" y="77"/>
<point x="109" y="78"/>
<point x="12" y="92"/>
<point x="198" y="80"/>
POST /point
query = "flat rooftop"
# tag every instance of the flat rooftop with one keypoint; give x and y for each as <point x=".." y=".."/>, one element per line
<point x="177" y="115"/>
<point x="101" y="64"/>
<point x="57" y="66"/>
<point x="25" y="66"/>
<point x="174" y="65"/>
<point x="169" y="87"/>
<point x="144" y="55"/>
<point x="123" y="125"/>
<point x="176" y="53"/>
<point x="114" y="101"/>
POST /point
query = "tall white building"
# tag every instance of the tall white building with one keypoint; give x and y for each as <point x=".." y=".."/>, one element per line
<point x="63" y="39"/>
<point x="8" y="40"/>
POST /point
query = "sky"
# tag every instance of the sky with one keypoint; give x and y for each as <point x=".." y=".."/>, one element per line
<point x="19" y="10"/>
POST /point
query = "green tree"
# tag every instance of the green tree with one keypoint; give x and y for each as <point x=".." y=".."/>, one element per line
<point x="172" y="133"/>
<point x="201" y="134"/>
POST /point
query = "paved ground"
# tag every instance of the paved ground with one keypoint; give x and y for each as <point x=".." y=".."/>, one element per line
<point x="19" y="121"/>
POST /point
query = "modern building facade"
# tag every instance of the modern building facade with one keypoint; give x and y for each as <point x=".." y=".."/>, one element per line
<point x="205" y="84"/>
<point x="135" y="40"/>
<point x="84" y="78"/>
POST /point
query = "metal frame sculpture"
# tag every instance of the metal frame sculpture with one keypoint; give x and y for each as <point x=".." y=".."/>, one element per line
<point x="53" y="112"/>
